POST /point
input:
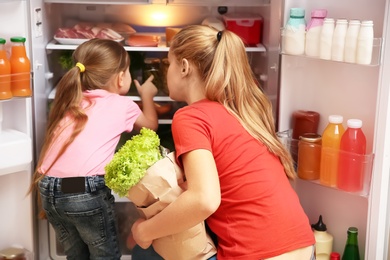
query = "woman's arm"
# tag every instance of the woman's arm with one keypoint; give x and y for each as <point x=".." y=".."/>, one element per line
<point x="193" y="206"/>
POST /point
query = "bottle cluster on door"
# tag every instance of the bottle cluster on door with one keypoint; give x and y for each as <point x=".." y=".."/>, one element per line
<point x="14" y="70"/>
<point x="328" y="38"/>
<point x="337" y="158"/>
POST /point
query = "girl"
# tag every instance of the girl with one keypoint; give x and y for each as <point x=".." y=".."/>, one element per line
<point x="88" y="115"/>
<point x="237" y="170"/>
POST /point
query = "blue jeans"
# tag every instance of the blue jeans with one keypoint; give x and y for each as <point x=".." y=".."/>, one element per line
<point x="149" y="254"/>
<point x="84" y="220"/>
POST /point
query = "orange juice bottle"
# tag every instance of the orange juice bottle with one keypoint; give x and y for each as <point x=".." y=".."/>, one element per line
<point x="5" y="73"/>
<point x="20" y="68"/>
<point x="331" y="138"/>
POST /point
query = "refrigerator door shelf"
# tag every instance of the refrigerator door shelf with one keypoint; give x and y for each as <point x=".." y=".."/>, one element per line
<point x="15" y="151"/>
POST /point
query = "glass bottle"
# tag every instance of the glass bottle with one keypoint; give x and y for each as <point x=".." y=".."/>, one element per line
<point x="338" y="41"/>
<point x="326" y="38"/>
<point x="313" y="32"/>
<point x="5" y="73"/>
<point x="20" y="68"/>
<point x="331" y="138"/>
<point x="309" y="156"/>
<point x="365" y="43"/>
<point x="351" y="250"/>
<point x="294" y="32"/>
<point x="351" y="169"/>
<point x="351" y="41"/>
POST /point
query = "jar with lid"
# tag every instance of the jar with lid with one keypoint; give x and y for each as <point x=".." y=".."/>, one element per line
<point x="152" y="67"/>
<point x="20" y="68"/>
<point x="13" y="253"/>
<point x="309" y="156"/>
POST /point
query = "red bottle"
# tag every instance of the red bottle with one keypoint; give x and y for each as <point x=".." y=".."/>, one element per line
<point x="350" y="176"/>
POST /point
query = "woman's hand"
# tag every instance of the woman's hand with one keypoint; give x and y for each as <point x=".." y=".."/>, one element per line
<point x="137" y="234"/>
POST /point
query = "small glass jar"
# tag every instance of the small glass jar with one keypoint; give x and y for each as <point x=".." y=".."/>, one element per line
<point x="309" y="156"/>
<point x="152" y="67"/>
<point x="12" y="253"/>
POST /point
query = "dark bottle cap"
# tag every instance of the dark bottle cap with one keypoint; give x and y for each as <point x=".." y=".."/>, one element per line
<point x="319" y="226"/>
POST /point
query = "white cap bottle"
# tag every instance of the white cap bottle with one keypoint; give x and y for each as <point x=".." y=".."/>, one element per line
<point x="326" y="37"/>
<point x="351" y="41"/>
<point x="365" y="43"/>
<point x="338" y="41"/>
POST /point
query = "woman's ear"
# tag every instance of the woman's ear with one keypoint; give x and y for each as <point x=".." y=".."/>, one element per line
<point x="185" y="67"/>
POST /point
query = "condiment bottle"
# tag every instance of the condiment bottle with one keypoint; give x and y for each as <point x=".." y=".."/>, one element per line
<point x="313" y="32"/>
<point x="309" y="156"/>
<point x="365" y="43"/>
<point x="338" y="41"/>
<point x="5" y="73"/>
<point x="324" y="240"/>
<point x="20" y="68"/>
<point x="351" y="37"/>
<point x="351" y="250"/>
<point x="350" y="176"/>
<point x="326" y="38"/>
<point x="331" y="138"/>
<point x="294" y="32"/>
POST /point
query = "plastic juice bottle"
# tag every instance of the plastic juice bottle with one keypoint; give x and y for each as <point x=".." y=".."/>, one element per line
<point x="352" y="152"/>
<point x="331" y="138"/>
<point x="324" y="240"/>
<point x="20" y="68"/>
<point x="5" y="73"/>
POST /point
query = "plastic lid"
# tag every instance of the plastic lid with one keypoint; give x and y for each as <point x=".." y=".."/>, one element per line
<point x="354" y="123"/>
<point x="310" y="137"/>
<point x="335" y="119"/>
<point x="2" y="41"/>
<point x="334" y="256"/>
<point x="18" y="39"/>
<point x="297" y="12"/>
<point x="12" y="252"/>
<point x="319" y="226"/>
<point x="320" y="13"/>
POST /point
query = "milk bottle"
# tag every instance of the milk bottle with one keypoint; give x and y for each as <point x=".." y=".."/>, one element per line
<point x="351" y="41"/>
<point x="365" y="43"/>
<point x="294" y="32"/>
<point x="338" y="41"/>
<point x="313" y="32"/>
<point x="326" y="39"/>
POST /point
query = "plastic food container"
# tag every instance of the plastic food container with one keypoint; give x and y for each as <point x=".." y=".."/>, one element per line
<point x="247" y="26"/>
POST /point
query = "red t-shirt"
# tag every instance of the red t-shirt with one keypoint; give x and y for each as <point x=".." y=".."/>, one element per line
<point x="260" y="215"/>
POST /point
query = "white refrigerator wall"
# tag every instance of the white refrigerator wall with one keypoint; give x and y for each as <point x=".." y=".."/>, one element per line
<point x="354" y="91"/>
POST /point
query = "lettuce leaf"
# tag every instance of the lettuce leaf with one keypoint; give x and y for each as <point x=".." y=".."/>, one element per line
<point x="130" y="163"/>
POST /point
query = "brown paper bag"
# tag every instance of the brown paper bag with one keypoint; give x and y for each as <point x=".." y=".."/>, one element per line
<point x="161" y="185"/>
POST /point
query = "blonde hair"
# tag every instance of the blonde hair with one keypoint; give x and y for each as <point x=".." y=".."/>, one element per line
<point x="223" y="65"/>
<point x="97" y="61"/>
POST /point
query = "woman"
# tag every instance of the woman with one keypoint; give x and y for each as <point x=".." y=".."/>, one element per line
<point x="237" y="171"/>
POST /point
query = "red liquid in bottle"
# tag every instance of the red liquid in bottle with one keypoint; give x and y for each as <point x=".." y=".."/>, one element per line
<point x="352" y="158"/>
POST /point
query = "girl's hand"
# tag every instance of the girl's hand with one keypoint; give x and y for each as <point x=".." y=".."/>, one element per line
<point x="148" y="89"/>
<point x="137" y="234"/>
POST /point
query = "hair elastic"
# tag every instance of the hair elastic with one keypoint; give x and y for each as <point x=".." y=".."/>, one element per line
<point x="80" y="66"/>
<point x="219" y="36"/>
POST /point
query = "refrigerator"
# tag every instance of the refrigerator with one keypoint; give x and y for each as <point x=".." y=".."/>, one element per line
<point x="292" y="82"/>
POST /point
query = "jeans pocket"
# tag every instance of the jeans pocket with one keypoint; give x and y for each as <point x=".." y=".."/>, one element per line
<point x="91" y="225"/>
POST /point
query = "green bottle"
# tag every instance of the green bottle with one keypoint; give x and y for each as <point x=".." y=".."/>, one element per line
<point x="351" y="250"/>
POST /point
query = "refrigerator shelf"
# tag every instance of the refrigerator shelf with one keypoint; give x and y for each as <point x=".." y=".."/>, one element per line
<point x="375" y="61"/>
<point x="54" y="45"/>
<point x="366" y="161"/>
<point x="15" y="151"/>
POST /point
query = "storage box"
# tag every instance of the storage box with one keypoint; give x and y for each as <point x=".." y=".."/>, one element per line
<point x="247" y="26"/>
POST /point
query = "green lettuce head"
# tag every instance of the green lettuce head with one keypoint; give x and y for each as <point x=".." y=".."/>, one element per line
<point x="130" y="163"/>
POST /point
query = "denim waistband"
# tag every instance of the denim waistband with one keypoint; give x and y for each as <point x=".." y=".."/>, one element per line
<point x="88" y="184"/>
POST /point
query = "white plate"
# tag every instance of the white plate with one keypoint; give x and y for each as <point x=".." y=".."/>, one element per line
<point x="72" y="41"/>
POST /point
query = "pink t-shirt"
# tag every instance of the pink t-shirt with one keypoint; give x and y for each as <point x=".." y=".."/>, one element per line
<point x="109" y="116"/>
<point x="260" y="215"/>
